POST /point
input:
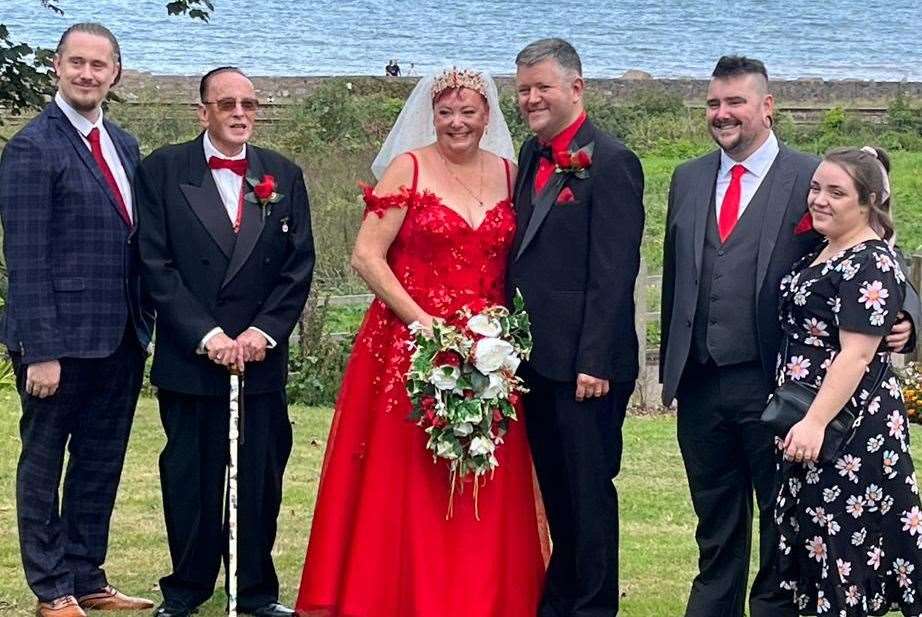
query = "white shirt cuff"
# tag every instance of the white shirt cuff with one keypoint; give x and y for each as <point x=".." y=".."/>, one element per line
<point x="211" y="333"/>
<point x="270" y="342"/>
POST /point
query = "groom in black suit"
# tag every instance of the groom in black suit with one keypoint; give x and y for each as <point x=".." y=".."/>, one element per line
<point x="579" y="204"/>
<point x="229" y="267"/>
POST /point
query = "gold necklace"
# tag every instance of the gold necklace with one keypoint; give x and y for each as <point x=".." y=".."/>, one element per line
<point x="478" y="197"/>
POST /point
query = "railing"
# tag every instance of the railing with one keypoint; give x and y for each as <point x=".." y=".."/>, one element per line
<point x="646" y="298"/>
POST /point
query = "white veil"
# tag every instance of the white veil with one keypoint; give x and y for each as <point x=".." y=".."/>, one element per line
<point x="414" y="127"/>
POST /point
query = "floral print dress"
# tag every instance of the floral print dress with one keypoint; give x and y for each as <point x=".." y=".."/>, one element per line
<point x="851" y="530"/>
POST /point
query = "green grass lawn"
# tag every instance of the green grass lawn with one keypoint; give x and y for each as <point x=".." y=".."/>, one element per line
<point x="657" y="549"/>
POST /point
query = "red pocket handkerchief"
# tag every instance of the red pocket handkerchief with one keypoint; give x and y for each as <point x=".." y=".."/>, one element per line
<point x="804" y="225"/>
<point x="565" y="196"/>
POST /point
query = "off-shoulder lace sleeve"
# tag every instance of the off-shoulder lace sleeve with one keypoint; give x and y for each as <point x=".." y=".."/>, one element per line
<point x="380" y="204"/>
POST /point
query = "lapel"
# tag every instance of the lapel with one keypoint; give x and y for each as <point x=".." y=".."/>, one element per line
<point x="544" y="201"/>
<point x="129" y="164"/>
<point x="523" y="203"/>
<point x="702" y="200"/>
<point x="83" y="151"/>
<point x="253" y="219"/>
<point x="526" y="172"/>
<point x="781" y="176"/>
<point x="201" y="193"/>
<point x="125" y="156"/>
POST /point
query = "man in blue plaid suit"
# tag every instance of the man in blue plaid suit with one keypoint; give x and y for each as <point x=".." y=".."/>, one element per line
<point x="75" y="324"/>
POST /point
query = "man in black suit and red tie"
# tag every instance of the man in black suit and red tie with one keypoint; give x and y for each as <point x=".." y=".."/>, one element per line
<point x="75" y="325"/>
<point x="576" y="254"/>
<point x="227" y="254"/>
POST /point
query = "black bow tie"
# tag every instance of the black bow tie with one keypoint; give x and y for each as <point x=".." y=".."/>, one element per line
<point x="546" y="152"/>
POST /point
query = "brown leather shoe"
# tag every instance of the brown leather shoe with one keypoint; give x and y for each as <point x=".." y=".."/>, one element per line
<point x="65" y="606"/>
<point x="111" y="599"/>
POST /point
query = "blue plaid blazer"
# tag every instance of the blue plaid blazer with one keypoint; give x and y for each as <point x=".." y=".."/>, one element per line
<point x="73" y="264"/>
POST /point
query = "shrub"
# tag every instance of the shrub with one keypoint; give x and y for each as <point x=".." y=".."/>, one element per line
<point x="316" y="364"/>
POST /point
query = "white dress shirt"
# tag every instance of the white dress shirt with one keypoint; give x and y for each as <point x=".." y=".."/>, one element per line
<point x="229" y="183"/>
<point x="109" y="153"/>
<point x="757" y="165"/>
<point x="229" y="187"/>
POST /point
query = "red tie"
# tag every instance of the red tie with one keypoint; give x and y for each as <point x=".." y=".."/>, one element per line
<point x="730" y="209"/>
<point x="238" y="166"/>
<point x="96" y="148"/>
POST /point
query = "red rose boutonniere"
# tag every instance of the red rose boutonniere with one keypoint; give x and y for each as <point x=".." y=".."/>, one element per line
<point x="263" y="193"/>
<point x="804" y="225"/>
<point x="575" y="162"/>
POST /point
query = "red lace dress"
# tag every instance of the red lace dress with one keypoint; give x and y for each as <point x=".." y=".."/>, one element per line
<point x="380" y="544"/>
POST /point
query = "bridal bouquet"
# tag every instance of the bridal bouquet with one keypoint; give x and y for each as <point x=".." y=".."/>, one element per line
<point x="463" y="387"/>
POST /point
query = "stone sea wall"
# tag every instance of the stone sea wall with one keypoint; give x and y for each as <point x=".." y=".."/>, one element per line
<point x="802" y="92"/>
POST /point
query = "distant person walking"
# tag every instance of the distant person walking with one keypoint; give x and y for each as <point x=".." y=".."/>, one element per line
<point x="392" y="69"/>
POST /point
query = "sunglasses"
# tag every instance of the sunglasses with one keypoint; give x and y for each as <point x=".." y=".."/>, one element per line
<point x="229" y="104"/>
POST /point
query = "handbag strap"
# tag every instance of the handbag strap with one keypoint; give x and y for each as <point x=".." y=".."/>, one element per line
<point x="878" y="380"/>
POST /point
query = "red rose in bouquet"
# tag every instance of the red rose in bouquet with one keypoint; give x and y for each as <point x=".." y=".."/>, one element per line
<point x="447" y="358"/>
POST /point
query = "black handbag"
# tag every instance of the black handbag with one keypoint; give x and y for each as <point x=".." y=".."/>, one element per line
<point x="790" y="403"/>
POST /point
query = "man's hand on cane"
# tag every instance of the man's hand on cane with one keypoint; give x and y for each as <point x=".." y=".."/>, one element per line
<point x="253" y="345"/>
<point x="225" y="351"/>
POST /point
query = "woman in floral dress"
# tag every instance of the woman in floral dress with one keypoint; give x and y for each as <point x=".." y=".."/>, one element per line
<point x="850" y="530"/>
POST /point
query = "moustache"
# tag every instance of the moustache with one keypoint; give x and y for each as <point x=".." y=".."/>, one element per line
<point x="722" y="124"/>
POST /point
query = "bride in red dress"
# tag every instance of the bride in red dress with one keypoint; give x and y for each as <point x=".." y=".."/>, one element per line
<point x="437" y="231"/>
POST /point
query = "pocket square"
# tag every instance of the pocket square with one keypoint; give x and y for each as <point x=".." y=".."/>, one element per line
<point x="804" y="225"/>
<point x="565" y="196"/>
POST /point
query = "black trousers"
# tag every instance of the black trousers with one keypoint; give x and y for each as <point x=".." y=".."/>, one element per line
<point x="728" y="454"/>
<point x="577" y="452"/>
<point x="192" y="478"/>
<point x="63" y="538"/>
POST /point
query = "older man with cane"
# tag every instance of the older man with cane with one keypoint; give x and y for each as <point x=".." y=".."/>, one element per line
<point x="227" y="254"/>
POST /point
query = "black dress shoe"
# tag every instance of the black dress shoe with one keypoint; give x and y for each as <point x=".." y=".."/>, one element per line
<point x="168" y="609"/>
<point x="273" y="609"/>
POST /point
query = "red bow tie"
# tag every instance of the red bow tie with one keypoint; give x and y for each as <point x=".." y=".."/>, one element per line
<point x="238" y="166"/>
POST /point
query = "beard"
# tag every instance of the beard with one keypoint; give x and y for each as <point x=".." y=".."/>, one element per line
<point x="82" y="101"/>
<point x="735" y="142"/>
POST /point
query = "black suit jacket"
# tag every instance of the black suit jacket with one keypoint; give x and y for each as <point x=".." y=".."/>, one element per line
<point x="74" y="280"/>
<point x="576" y="263"/>
<point x="691" y="197"/>
<point x="202" y="276"/>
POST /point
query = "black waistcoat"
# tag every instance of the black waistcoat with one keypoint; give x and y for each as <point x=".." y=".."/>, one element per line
<point x="725" y="318"/>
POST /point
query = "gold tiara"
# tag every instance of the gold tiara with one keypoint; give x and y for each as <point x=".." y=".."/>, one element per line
<point x="458" y="78"/>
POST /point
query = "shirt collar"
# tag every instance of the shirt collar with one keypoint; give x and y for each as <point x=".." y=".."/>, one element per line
<point x="562" y="140"/>
<point x="757" y="163"/>
<point x="79" y="121"/>
<point x="211" y="150"/>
